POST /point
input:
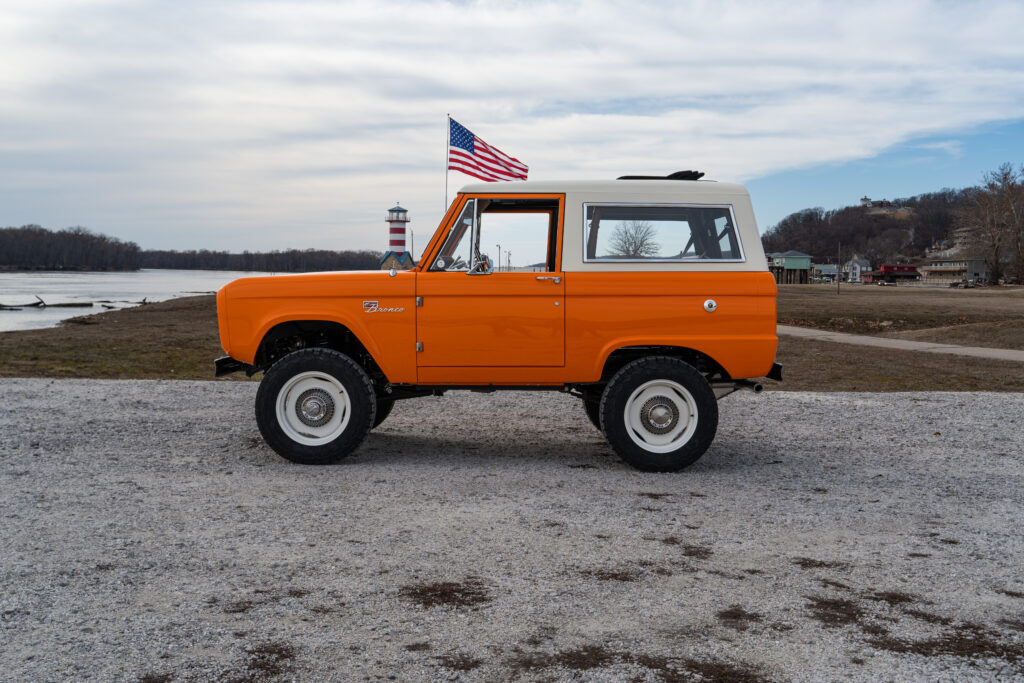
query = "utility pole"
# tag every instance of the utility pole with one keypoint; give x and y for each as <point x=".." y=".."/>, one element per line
<point x="499" y="258"/>
<point x="839" y="265"/>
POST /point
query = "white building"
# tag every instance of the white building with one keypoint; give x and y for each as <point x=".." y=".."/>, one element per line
<point x="855" y="268"/>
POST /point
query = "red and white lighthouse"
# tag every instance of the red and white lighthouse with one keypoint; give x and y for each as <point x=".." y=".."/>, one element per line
<point x="397" y="220"/>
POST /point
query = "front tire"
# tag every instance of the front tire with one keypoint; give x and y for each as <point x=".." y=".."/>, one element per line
<point x="659" y="414"/>
<point x="315" y="406"/>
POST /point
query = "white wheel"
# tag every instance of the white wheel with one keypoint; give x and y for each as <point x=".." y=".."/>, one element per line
<point x="313" y="408"/>
<point x="660" y="416"/>
<point x="659" y="413"/>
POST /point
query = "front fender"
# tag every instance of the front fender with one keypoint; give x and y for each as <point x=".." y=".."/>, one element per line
<point x="382" y="316"/>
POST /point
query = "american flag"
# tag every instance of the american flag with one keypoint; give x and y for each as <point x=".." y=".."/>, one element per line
<point x="473" y="156"/>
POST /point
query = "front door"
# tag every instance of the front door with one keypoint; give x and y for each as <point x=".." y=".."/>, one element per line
<point x="492" y="297"/>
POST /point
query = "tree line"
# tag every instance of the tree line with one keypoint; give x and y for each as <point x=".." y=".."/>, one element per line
<point x="989" y="218"/>
<point x="901" y="231"/>
<point x="33" y="247"/>
<point x="289" y="261"/>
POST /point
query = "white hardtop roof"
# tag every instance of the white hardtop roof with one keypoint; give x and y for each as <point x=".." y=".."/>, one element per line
<point x="706" y="188"/>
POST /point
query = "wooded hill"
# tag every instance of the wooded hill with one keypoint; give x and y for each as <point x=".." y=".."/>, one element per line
<point x="900" y="230"/>
<point x="32" y="247"/>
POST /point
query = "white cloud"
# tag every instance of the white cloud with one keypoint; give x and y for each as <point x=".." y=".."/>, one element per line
<point x="272" y="125"/>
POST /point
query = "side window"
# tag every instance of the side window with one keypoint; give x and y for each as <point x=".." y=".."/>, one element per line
<point x="660" y="233"/>
<point x="499" y="235"/>
<point x="516" y="241"/>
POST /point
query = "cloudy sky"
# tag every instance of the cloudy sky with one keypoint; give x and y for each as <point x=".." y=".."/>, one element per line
<point x="272" y="125"/>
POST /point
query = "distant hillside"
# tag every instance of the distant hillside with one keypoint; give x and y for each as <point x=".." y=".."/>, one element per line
<point x="901" y="230"/>
<point x="33" y="247"/>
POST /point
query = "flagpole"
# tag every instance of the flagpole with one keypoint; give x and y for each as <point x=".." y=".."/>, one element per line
<point x="447" y="158"/>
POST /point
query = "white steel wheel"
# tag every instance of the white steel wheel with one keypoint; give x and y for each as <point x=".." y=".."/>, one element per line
<point x="659" y="413"/>
<point x="661" y="416"/>
<point x="313" y="408"/>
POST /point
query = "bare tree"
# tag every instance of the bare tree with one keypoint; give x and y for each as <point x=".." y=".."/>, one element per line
<point x="1013" y="205"/>
<point x="995" y="214"/>
<point x="634" y="239"/>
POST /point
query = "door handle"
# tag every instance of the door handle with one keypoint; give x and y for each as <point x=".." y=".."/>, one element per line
<point x="556" y="278"/>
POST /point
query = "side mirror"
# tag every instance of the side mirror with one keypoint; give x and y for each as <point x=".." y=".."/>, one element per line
<point x="483" y="266"/>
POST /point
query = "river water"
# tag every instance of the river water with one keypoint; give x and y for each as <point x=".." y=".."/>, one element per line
<point x="103" y="290"/>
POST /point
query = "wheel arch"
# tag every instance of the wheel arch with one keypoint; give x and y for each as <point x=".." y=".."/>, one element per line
<point x="291" y="335"/>
<point x="623" y="355"/>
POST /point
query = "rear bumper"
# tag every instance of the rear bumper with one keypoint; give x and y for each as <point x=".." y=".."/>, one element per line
<point x="776" y="372"/>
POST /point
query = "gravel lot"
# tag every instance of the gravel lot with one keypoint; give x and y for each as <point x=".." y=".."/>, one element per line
<point x="148" y="534"/>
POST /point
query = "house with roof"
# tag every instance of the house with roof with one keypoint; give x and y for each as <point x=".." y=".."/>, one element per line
<point x="855" y="268"/>
<point x="824" y="272"/>
<point x="790" y="267"/>
<point x="951" y="269"/>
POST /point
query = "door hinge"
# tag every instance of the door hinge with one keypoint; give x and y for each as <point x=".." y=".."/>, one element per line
<point x="419" y="301"/>
<point x="419" y="346"/>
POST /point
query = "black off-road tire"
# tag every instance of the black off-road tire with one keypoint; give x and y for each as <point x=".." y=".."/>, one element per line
<point x="673" y="414"/>
<point x="384" y="408"/>
<point x="593" y="410"/>
<point x="339" y="398"/>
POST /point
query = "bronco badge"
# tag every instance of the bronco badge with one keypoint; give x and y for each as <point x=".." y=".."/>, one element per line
<point x="374" y="307"/>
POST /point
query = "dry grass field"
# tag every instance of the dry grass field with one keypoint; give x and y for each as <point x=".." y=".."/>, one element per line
<point x="178" y="340"/>
<point x="984" y="316"/>
<point x="174" y="339"/>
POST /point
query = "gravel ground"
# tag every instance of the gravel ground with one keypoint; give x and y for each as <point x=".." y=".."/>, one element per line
<point x="149" y="534"/>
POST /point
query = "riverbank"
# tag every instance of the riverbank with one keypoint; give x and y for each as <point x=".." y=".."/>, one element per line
<point x="178" y="339"/>
<point x="96" y="292"/>
<point x="174" y="339"/>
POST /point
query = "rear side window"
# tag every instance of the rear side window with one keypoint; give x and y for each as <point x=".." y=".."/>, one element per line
<point x="639" y="232"/>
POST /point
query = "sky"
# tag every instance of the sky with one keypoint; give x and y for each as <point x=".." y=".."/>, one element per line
<point x="227" y="125"/>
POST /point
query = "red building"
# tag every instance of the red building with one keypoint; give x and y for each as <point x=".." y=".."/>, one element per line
<point x="893" y="273"/>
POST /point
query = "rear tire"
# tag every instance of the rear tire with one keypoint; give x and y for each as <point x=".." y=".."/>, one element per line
<point x="315" y="406"/>
<point x="659" y="414"/>
<point x="384" y="408"/>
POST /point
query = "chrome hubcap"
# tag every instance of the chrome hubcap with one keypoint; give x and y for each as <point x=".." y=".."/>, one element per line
<point x="659" y="415"/>
<point x="314" y="407"/>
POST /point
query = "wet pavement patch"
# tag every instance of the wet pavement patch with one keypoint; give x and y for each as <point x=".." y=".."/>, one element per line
<point x="270" y="658"/>
<point x="834" y="612"/>
<point x="466" y="593"/>
<point x="968" y="641"/>
<point x="156" y="678"/>
<point x="738" y="618"/>
<point x="698" y="552"/>
<point x="810" y="563"/>
<point x="625" y="575"/>
<point x="928" y="616"/>
<point x="893" y="598"/>
<point x="459" y="662"/>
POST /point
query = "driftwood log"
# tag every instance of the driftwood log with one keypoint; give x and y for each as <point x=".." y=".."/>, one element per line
<point x="39" y="303"/>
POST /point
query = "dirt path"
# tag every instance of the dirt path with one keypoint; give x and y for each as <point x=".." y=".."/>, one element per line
<point x="150" y="535"/>
<point x="901" y="344"/>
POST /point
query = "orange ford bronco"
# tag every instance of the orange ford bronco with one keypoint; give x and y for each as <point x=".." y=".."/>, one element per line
<point x="647" y="298"/>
